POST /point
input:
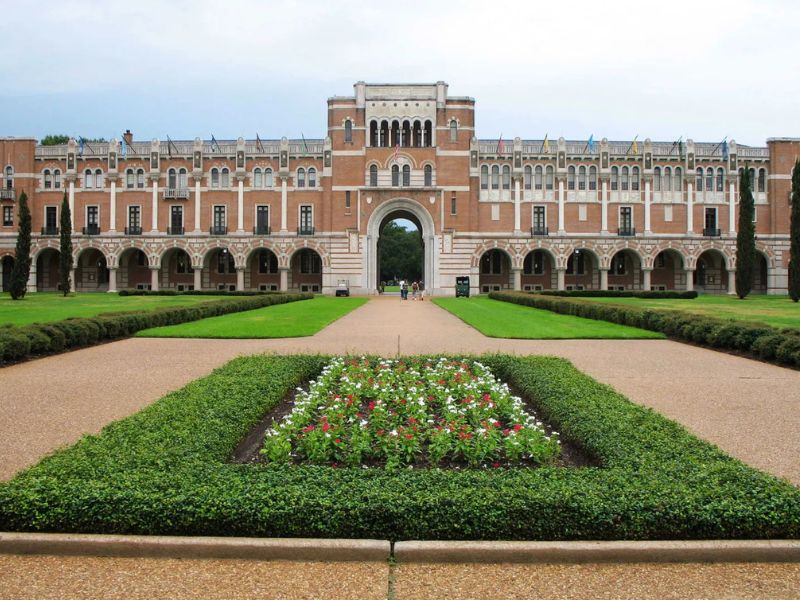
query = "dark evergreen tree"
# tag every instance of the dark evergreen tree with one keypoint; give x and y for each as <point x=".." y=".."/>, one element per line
<point x="65" y="256"/>
<point x="794" y="236"/>
<point x="401" y="253"/>
<point x="746" y="237"/>
<point x="54" y="139"/>
<point x="22" y="256"/>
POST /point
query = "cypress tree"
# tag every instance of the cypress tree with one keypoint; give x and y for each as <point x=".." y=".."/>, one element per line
<point x="22" y="256"/>
<point x="794" y="235"/>
<point x="746" y="238"/>
<point x="65" y="256"/>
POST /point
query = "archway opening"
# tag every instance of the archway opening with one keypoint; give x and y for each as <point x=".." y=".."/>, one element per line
<point x="625" y="271"/>
<point x="401" y="250"/>
<point x="583" y="272"/>
<point x="221" y="268"/>
<point x="495" y="271"/>
<point x="711" y="273"/>
<point x="760" y="274"/>
<point x="538" y="271"/>
<point x="6" y="265"/>
<point x="305" y="274"/>
<point x="91" y="271"/>
<point x="134" y="271"/>
<point x="668" y="271"/>
<point x="47" y="270"/>
<point x="176" y="270"/>
<point x="262" y="271"/>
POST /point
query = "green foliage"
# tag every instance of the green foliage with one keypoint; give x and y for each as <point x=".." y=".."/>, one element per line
<point x="745" y="238"/>
<point x="54" y="140"/>
<point x="19" y="342"/>
<point x="65" y="259"/>
<point x="652" y="294"/>
<point x="794" y="236"/>
<point x="164" y="471"/>
<point x="22" y="254"/>
<point x="739" y="336"/>
<point x="400" y="253"/>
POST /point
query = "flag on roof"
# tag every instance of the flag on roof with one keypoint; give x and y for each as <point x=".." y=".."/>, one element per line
<point x="215" y="143"/>
<point x="500" y="146"/>
<point x="305" y="146"/>
<point x="635" y="145"/>
<point x="124" y="149"/>
<point x="546" y="144"/>
<point x="590" y="144"/>
<point x="259" y="145"/>
<point x="170" y="145"/>
<point x="725" y="149"/>
<point x="80" y="146"/>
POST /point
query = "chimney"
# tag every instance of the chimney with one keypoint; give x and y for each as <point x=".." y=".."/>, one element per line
<point x="128" y="137"/>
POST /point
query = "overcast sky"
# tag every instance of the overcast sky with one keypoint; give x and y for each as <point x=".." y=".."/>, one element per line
<point x="702" y="69"/>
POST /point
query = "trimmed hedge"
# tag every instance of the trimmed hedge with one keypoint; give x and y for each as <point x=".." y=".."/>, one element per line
<point x="164" y="471"/>
<point x="21" y="342"/>
<point x="671" y="295"/>
<point x="780" y="346"/>
<point x="195" y="293"/>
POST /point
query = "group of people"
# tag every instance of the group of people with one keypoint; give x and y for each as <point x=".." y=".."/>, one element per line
<point x="416" y="289"/>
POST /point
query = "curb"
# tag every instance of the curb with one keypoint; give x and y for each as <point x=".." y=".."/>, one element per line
<point x="138" y="546"/>
<point x="599" y="552"/>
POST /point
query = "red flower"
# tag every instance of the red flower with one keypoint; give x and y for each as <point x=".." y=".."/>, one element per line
<point x="486" y="397"/>
<point x="409" y="436"/>
<point x="496" y="465"/>
<point x="326" y="426"/>
<point x="371" y="405"/>
<point x="308" y="429"/>
<point x="517" y="427"/>
<point x="337" y="441"/>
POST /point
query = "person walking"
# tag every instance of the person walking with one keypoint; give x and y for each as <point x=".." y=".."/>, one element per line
<point x="404" y="290"/>
<point x="414" y="290"/>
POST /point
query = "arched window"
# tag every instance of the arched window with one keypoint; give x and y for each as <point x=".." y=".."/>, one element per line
<point x="614" y="179"/>
<point x="667" y="179"/>
<point x="140" y="178"/>
<point x="527" y="177"/>
<point x="215" y="178"/>
<point x="57" y="179"/>
<point x="635" y="179"/>
<point x="225" y="177"/>
<point x="88" y="179"/>
<point x="581" y="178"/>
<point x="506" y="177"/>
<point x="657" y="179"/>
<point x="762" y="180"/>
<point x="301" y="177"/>
<point x="625" y="179"/>
<point x="571" y="178"/>
<point x="752" y="180"/>
<point x="348" y="131"/>
<point x="373" y="175"/>
<point x="406" y="175"/>
<point x="9" y="173"/>
<point x="428" y="134"/>
<point x="172" y="179"/>
<point x="678" y="180"/>
<point x="130" y="179"/>
<point x="537" y="177"/>
<point x="495" y="177"/>
<point x="258" y="179"/>
<point x="698" y="179"/>
<point x="312" y="177"/>
<point x="428" y="175"/>
<point x="268" y="178"/>
<point x="593" y="179"/>
<point x="484" y="177"/>
<point x="48" y="179"/>
<point x="98" y="179"/>
<point x="453" y="131"/>
<point x="720" y="180"/>
<point x="548" y="178"/>
<point x="373" y="133"/>
<point x="395" y="175"/>
<point x="709" y="179"/>
<point x="183" y="179"/>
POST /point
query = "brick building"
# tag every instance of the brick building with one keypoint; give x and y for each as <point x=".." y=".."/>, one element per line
<point x="305" y="214"/>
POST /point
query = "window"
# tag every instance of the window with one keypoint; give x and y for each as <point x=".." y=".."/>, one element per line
<point x="534" y="263"/>
<point x="267" y="178"/>
<point x="310" y="262"/>
<point x="140" y="179"/>
<point x="752" y="180"/>
<point x="214" y="178"/>
<point x="219" y="218"/>
<point x="48" y="179"/>
<point x="711" y="219"/>
<point x="667" y="179"/>
<point x="614" y="179"/>
<point x="453" y="131"/>
<point x="395" y="175"/>
<point x="312" y="178"/>
<point x="625" y="179"/>
<point x="306" y="218"/>
<point x="172" y="179"/>
<point x="301" y="178"/>
<point x="539" y="219"/>
<point x="98" y="179"/>
<point x="506" y="177"/>
<point x="492" y="263"/>
<point x="9" y="176"/>
<point x="710" y="179"/>
<point x="635" y="179"/>
<point x="626" y="218"/>
<point x="495" y="177"/>
<point x="537" y="177"/>
<point x="428" y="175"/>
<point x="571" y="178"/>
<point x="176" y="218"/>
<point x="57" y="179"/>
<point x="348" y="131"/>
<point x="130" y="179"/>
<point x="618" y="264"/>
<point x="134" y="218"/>
<point x="8" y="216"/>
<point x="183" y="264"/>
<point x="453" y="204"/>
<point x="762" y="180"/>
<point x="182" y="179"/>
<point x="699" y="179"/>
<point x="548" y="178"/>
<point x="225" y="177"/>
<point x="581" y="178"/>
<point x="593" y="179"/>
<point x="373" y="175"/>
<point x="88" y="179"/>
<point x="720" y="180"/>
<point x="225" y="262"/>
<point x="92" y="216"/>
<point x="484" y="177"/>
<point x="258" y="179"/>
<point x="678" y="180"/>
<point x="657" y="179"/>
<point x="262" y="219"/>
<point x="527" y="178"/>
<point x="347" y="200"/>
<point x="576" y="263"/>
<point x="51" y="218"/>
<point x="406" y="175"/>
<point x="267" y="262"/>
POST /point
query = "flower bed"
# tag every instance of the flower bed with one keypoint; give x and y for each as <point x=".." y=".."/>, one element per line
<point x="403" y="412"/>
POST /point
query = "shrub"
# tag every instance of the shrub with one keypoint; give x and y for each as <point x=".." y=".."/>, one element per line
<point x="671" y="294"/>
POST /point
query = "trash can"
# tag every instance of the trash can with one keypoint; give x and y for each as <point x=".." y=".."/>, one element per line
<point x="462" y="287"/>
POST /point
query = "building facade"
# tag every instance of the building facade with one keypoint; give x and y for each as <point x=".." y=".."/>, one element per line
<point x="307" y="214"/>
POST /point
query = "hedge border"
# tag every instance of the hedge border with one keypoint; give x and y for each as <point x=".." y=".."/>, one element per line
<point x="667" y="295"/>
<point x="19" y="342"/>
<point x="163" y="471"/>
<point x="196" y="293"/>
<point x="756" y="340"/>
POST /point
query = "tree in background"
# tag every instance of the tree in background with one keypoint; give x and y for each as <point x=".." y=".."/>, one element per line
<point x="400" y="253"/>
<point x="22" y="256"/>
<point x="54" y="139"/>
<point x="65" y="256"/>
<point x="746" y="238"/>
<point x="794" y="236"/>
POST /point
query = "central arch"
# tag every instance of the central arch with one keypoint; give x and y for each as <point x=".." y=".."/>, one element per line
<point x="400" y="208"/>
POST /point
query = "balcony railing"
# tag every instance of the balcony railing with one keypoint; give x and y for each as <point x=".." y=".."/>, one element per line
<point x="710" y="232"/>
<point x="134" y="230"/>
<point x="626" y="231"/>
<point x="261" y="230"/>
<point x="539" y="231"/>
<point x="175" y="230"/>
<point x="49" y="230"/>
<point x="305" y="230"/>
<point x="91" y="230"/>
<point x="8" y="194"/>
<point x="176" y="194"/>
<point x="218" y="230"/>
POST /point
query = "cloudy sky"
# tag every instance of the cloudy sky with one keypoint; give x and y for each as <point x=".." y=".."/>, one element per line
<point x="703" y="69"/>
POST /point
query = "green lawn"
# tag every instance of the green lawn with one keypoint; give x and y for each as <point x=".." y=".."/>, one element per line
<point x="43" y="307"/>
<point x="391" y="288"/>
<point x="777" y="311"/>
<point x="296" y="319"/>
<point x="506" y="320"/>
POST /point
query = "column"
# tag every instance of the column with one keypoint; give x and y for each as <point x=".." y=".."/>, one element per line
<point x="197" y="205"/>
<point x="198" y="278"/>
<point x="155" y="207"/>
<point x="284" y="204"/>
<point x="689" y="280"/>
<point x="561" y="285"/>
<point x="113" y="211"/>
<point x="154" y="272"/>
<point x="731" y="281"/>
<point x="73" y="285"/>
<point x="689" y="208"/>
<point x="604" y="279"/>
<point x="32" y="278"/>
<point x="240" y="208"/>
<point x="284" y="278"/>
<point x="239" y="279"/>
<point x="516" y="206"/>
<point x="112" y="280"/>
<point x="517" y="273"/>
<point x="561" y="229"/>
<point x="731" y="209"/>
<point x="647" y="200"/>
<point x="72" y="203"/>
<point x="604" y="207"/>
<point x="646" y="282"/>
